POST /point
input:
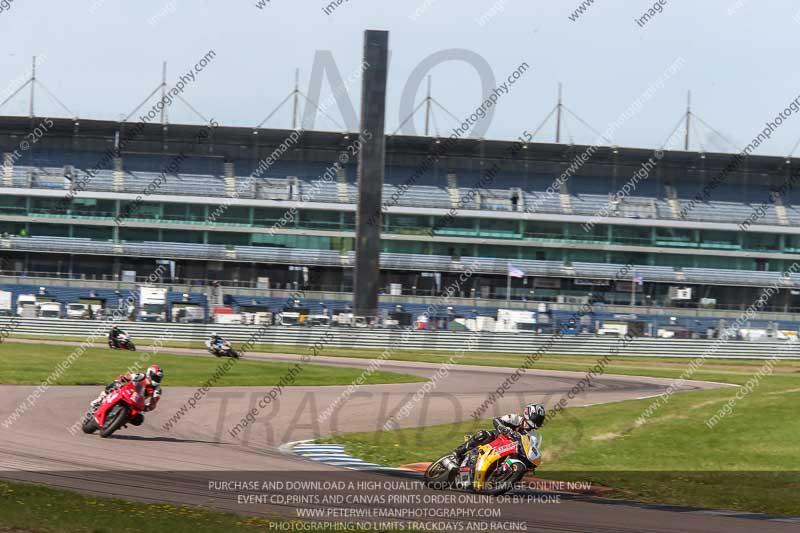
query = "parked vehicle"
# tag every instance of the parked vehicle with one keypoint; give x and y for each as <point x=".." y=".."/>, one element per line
<point x="189" y="314"/>
<point x="5" y="303"/>
<point x="26" y="306"/>
<point x="152" y="304"/>
<point x="513" y="320"/>
<point x="78" y="311"/>
<point x="342" y="318"/>
<point x="318" y="320"/>
<point x="50" y="310"/>
<point x="292" y="316"/>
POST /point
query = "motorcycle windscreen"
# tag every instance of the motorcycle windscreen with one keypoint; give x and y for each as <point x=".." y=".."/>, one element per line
<point x="531" y="442"/>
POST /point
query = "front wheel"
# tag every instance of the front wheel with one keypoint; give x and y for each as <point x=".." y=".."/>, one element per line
<point x="235" y="354"/>
<point x="115" y="419"/>
<point x="439" y="475"/>
<point x="499" y="482"/>
<point x="131" y="346"/>
<point x="89" y="425"/>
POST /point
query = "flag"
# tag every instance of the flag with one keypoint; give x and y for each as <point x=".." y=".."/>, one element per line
<point x="514" y="272"/>
<point x="638" y="279"/>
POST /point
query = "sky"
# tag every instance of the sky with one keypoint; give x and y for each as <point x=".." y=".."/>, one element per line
<point x="101" y="58"/>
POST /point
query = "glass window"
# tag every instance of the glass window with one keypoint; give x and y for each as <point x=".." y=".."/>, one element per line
<point x="231" y="238"/>
<point x="499" y="227"/>
<point x="137" y="234"/>
<point x="49" y="230"/>
<point x="268" y="216"/>
<point x="762" y="241"/>
<point x="409" y="224"/>
<point x="192" y="237"/>
<point x="47" y="205"/>
<point x="91" y="207"/>
<point x="404" y="247"/>
<point x="234" y="214"/>
<point x="719" y="238"/>
<point x="639" y="235"/>
<point x="314" y="219"/>
<point x="674" y="235"/>
<point x="96" y="233"/>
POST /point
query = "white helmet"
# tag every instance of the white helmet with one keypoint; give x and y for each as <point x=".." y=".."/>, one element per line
<point x="534" y="415"/>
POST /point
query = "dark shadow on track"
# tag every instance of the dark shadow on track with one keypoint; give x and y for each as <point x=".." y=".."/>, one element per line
<point x="168" y="439"/>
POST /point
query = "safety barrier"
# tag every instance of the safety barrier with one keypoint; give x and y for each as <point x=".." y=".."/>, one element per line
<point x="388" y="339"/>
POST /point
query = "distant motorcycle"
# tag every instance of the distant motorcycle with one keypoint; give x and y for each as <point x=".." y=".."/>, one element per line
<point x="123" y="342"/>
<point x="224" y="350"/>
<point x="490" y="469"/>
<point x="121" y="406"/>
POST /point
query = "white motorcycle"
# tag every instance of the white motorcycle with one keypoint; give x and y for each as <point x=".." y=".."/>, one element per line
<point x="223" y="350"/>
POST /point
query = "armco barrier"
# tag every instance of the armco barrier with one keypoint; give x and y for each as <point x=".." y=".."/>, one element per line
<point x="381" y="339"/>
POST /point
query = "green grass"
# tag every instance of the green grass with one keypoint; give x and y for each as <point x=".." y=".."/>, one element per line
<point x="627" y="364"/>
<point x="673" y="458"/>
<point x="28" y="364"/>
<point x="749" y="461"/>
<point x="45" y="510"/>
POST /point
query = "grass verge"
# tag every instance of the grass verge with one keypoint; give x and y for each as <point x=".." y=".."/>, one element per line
<point x="748" y="461"/>
<point x="41" y="509"/>
<point x="30" y="364"/>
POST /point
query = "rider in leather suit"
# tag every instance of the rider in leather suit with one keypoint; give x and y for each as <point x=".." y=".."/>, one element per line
<point x="151" y="385"/>
<point x="511" y="425"/>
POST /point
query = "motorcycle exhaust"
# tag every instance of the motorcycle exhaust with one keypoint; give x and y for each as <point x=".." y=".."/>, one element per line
<point x="449" y="463"/>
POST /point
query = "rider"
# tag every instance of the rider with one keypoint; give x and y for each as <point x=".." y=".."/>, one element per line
<point x="113" y="335"/>
<point x="216" y="341"/>
<point x="510" y="425"/>
<point x="151" y="385"/>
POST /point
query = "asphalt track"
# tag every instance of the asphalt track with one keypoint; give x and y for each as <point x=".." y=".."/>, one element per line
<point x="176" y="464"/>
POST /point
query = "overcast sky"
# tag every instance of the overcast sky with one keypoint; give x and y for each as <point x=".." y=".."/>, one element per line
<point x="102" y="57"/>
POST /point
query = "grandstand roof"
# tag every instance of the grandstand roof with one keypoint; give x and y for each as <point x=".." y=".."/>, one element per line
<point x="243" y="143"/>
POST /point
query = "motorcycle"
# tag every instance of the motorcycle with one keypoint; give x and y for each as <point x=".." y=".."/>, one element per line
<point x="226" y="350"/>
<point x="121" y="406"/>
<point x="123" y="342"/>
<point x="490" y="469"/>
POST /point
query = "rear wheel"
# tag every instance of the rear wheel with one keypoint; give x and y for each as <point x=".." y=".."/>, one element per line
<point x="438" y="475"/>
<point x="115" y="419"/>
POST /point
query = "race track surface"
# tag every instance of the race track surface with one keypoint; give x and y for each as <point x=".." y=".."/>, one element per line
<point x="201" y="445"/>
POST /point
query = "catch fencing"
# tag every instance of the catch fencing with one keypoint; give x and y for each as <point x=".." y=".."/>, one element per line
<point x="444" y="341"/>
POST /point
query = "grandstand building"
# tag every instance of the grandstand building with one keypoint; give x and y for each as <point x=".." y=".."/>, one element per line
<point x="276" y="209"/>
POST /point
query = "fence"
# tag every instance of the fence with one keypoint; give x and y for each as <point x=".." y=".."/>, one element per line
<point x="445" y="341"/>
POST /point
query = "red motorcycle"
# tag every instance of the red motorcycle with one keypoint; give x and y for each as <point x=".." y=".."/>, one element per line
<point x="121" y="406"/>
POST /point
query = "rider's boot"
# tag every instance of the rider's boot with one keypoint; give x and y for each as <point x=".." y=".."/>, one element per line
<point x="460" y="452"/>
